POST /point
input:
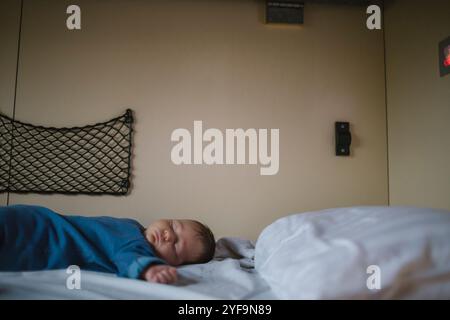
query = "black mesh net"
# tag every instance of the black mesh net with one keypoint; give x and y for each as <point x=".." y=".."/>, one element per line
<point x="94" y="159"/>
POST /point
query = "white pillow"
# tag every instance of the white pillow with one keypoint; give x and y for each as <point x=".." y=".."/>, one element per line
<point x="328" y="254"/>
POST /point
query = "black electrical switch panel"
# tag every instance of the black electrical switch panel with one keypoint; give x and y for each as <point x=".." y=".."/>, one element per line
<point x="343" y="138"/>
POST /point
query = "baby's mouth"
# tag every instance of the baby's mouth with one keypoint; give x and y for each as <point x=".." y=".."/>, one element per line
<point x="156" y="237"/>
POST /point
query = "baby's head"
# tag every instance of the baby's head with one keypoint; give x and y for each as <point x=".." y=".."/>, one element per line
<point x="181" y="241"/>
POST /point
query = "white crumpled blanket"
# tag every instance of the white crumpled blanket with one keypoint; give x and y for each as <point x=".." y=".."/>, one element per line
<point x="337" y="253"/>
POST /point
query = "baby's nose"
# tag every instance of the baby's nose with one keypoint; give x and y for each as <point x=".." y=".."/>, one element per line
<point x="167" y="236"/>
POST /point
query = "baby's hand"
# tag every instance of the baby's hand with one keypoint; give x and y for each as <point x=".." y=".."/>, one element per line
<point x="161" y="273"/>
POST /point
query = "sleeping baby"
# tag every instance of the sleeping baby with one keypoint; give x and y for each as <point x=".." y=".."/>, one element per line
<point x="37" y="238"/>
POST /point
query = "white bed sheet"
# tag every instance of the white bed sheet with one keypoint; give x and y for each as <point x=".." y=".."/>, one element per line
<point x="331" y="254"/>
<point x="229" y="276"/>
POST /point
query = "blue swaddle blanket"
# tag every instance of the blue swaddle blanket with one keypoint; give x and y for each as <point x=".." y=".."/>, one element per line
<point x="37" y="238"/>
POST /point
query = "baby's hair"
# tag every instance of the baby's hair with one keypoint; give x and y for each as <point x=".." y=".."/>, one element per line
<point x="209" y="243"/>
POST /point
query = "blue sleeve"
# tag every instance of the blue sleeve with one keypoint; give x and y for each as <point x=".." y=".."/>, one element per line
<point x="132" y="260"/>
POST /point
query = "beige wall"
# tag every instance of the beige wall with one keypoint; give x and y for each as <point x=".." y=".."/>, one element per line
<point x="174" y="62"/>
<point x="418" y="104"/>
<point x="9" y="31"/>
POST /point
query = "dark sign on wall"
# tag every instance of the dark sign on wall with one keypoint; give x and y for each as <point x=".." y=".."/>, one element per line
<point x="290" y="12"/>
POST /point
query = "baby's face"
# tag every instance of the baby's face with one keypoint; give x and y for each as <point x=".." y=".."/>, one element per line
<point x="175" y="241"/>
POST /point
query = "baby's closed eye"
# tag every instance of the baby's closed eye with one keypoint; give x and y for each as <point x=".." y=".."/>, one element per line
<point x="177" y="248"/>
